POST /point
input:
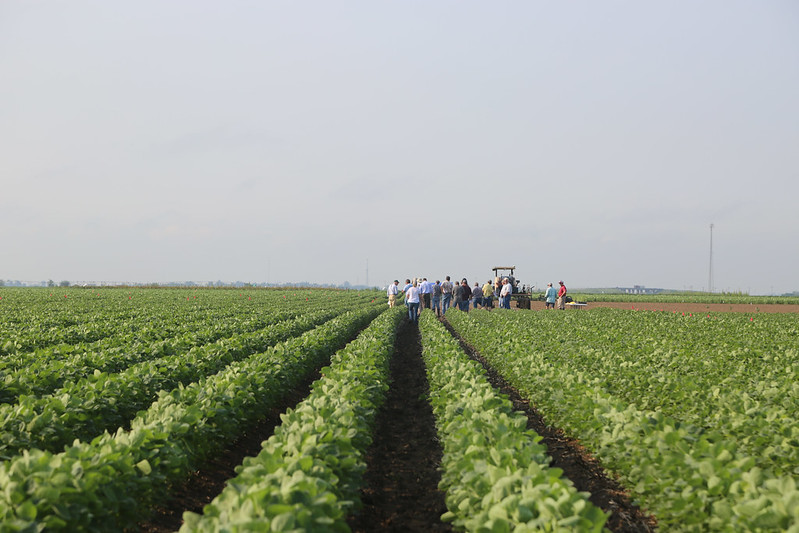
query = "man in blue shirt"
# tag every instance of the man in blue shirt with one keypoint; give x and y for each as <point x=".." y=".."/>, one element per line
<point x="407" y="286"/>
<point x="426" y="288"/>
<point x="550" y="296"/>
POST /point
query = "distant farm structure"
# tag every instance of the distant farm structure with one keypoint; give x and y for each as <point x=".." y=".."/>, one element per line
<point x="639" y="289"/>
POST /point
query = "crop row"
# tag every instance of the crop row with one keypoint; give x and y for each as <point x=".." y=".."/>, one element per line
<point x="44" y="370"/>
<point x="110" y="482"/>
<point x="721" y="372"/>
<point x="47" y="369"/>
<point x="495" y="472"/>
<point x="103" y="401"/>
<point x="687" y="297"/>
<point x="307" y="476"/>
<point x="32" y="319"/>
<point x="693" y="478"/>
<point x="36" y="323"/>
<point x="154" y="325"/>
<point x="35" y="335"/>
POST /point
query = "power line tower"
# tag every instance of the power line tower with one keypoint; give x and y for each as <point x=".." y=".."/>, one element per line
<point x="710" y="271"/>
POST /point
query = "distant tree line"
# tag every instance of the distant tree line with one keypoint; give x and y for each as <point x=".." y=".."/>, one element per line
<point x="219" y="283"/>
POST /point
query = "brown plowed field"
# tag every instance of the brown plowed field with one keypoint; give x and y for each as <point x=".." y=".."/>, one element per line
<point x="690" y="307"/>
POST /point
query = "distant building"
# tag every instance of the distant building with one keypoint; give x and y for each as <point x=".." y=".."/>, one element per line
<point x="639" y="289"/>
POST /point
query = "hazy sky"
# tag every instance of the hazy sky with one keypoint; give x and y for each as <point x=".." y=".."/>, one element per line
<point x="593" y="142"/>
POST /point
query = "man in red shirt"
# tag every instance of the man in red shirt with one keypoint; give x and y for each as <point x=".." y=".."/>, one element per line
<point x="561" y="294"/>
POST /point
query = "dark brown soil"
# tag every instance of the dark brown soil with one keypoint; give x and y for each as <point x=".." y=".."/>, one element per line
<point x="401" y="482"/>
<point x="208" y="481"/>
<point x="577" y="463"/>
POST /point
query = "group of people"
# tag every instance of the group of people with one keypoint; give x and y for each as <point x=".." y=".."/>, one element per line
<point x="419" y="293"/>
<point x="553" y="297"/>
<point x="440" y="296"/>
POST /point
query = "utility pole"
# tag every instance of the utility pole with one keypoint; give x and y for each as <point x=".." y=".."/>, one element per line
<point x="367" y="273"/>
<point x="710" y="272"/>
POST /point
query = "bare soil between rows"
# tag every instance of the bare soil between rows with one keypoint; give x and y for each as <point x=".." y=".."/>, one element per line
<point x="400" y="491"/>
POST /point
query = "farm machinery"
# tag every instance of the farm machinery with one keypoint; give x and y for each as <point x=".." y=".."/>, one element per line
<point x="522" y="294"/>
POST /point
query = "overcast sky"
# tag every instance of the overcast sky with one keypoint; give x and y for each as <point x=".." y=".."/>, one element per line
<point x="593" y="142"/>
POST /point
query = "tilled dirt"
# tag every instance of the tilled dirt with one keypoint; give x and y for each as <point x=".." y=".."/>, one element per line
<point x="401" y="482"/>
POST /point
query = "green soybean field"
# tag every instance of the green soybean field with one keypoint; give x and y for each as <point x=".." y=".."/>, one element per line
<point x="198" y="409"/>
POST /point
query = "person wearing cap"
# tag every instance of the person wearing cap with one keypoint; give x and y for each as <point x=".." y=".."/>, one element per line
<point x="550" y="296"/>
<point x="561" y="294"/>
<point x="393" y="291"/>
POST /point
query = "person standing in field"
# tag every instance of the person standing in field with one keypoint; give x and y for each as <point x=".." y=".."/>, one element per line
<point x="477" y="296"/>
<point x="393" y="291"/>
<point x="446" y="295"/>
<point x="561" y="295"/>
<point x="550" y="296"/>
<point x="426" y="288"/>
<point x="504" y="294"/>
<point x="436" y="298"/>
<point x="488" y="301"/>
<point x="412" y="299"/>
<point x="457" y="295"/>
<point x="407" y="286"/>
<point x="466" y="296"/>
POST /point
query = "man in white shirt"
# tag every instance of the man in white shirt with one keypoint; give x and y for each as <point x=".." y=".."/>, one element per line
<point x="393" y="291"/>
<point x="412" y="301"/>
<point x="504" y="294"/>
